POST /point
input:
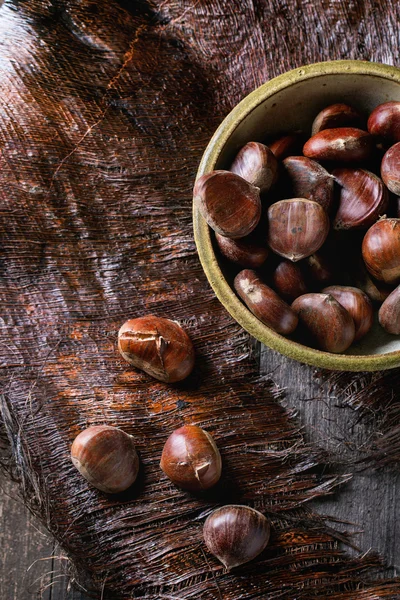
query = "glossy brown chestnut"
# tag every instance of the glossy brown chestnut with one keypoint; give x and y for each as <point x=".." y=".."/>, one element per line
<point x="257" y="164"/>
<point x="328" y="323"/>
<point x="191" y="459"/>
<point x="296" y="228"/>
<point x="381" y="250"/>
<point x="309" y="180"/>
<point x="286" y="145"/>
<point x="384" y="121"/>
<point x="157" y="346"/>
<point x="264" y="303"/>
<point x="389" y="312"/>
<point x="363" y="199"/>
<point x="336" y="115"/>
<point x="377" y="291"/>
<point x="236" y="534"/>
<point x="230" y="204"/>
<point x="346" y="144"/>
<point x="288" y="280"/>
<point x="106" y="457"/>
<point x="319" y="269"/>
<point x="243" y="252"/>
<point x="357" y="304"/>
<point x="390" y="169"/>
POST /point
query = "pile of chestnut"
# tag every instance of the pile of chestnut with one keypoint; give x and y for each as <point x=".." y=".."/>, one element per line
<point x="106" y="456"/>
<point x="315" y="226"/>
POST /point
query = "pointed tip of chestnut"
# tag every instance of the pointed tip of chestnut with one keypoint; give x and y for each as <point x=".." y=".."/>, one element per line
<point x="106" y="457"/>
<point x="191" y="459"/>
<point x="236" y="534"/>
<point x="230" y="204"/>
<point x="157" y="346"/>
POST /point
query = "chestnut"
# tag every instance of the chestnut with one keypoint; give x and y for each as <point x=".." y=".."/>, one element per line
<point x="329" y="324"/>
<point x="381" y="250"/>
<point x="384" y="121"/>
<point x="288" y="280"/>
<point x="106" y="457"/>
<point x="230" y="204"/>
<point x="236" y="534"/>
<point x="296" y="228"/>
<point x="347" y="144"/>
<point x="319" y="269"/>
<point x="389" y="312"/>
<point x="336" y="115"/>
<point x="357" y="304"/>
<point x="257" y="164"/>
<point x="309" y="180"/>
<point x="191" y="459"/>
<point x="363" y="198"/>
<point x="377" y="291"/>
<point x="244" y="252"/>
<point x="286" y="145"/>
<point x="390" y="169"/>
<point x="157" y="346"/>
<point x="264" y="303"/>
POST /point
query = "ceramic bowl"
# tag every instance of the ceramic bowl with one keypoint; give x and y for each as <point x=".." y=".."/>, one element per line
<point x="289" y="103"/>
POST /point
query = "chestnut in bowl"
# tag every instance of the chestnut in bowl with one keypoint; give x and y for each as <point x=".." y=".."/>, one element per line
<point x="286" y="105"/>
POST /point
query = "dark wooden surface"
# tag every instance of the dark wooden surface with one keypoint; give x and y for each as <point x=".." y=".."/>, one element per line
<point x="30" y="562"/>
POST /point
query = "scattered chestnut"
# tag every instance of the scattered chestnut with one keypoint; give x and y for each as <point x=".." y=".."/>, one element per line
<point x="381" y="250"/>
<point x="288" y="280"/>
<point x="330" y="325"/>
<point x="230" y="204"/>
<point x="106" y="457"/>
<point x="296" y="228"/>
<point x="244" y="252"/>
<point x="389" y="312"/>
<point x="236" y="534"/>
<point x="191" y="459"/>
<point x="347" y="144"/>
<point x="257" y="164"/>
<point x="285" y="146"/>
<point x="309" y="180"/>
<point x="357" y="304"/>
<point x="157" y="346"/>
<point x="363" y="198"/>
<point x="384" y="121"/>
<point x="336" y="115"/>
<point x="390" y="168"/>
<point x="264" y="303"/>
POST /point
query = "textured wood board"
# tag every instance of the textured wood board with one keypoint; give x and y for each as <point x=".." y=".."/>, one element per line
<point x="105" y="113"/>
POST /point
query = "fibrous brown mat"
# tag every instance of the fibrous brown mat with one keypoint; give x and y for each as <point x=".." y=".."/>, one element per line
<point x="105" y="111"/>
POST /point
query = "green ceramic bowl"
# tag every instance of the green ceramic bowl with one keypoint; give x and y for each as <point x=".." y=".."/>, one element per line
<point x="289" y="103"/>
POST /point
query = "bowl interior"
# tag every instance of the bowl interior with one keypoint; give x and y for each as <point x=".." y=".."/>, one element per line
<point x="290" y="103"/>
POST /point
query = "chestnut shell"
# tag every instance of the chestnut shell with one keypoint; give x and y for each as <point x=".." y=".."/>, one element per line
<point x="191" y="459"/>
<point x="157" y="346"/>
<point x="381" y="250"/>
<point x="230" y="204"/>
<point x="347" y="144"/>
<point x="296" y="228"/>
<point x="328" y="323"/>
<point x="106" y="457"/>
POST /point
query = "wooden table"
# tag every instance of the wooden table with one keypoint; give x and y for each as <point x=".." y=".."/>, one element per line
<point x="370" y="501"/>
